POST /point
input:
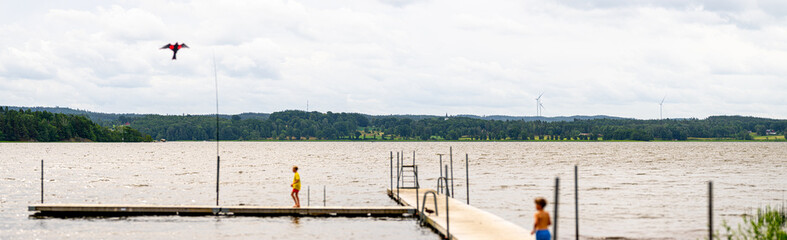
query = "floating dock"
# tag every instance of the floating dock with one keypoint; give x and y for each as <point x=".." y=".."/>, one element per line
<point x="465" y="221"/>
<point x="67" y="210"/>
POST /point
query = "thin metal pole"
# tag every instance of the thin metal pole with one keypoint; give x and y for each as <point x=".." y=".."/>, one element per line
<point x="417" y="189"/>
<point x="308" y="195"/>
<point x="441" y="164"/>
<point x="576" y="203"/>
<point x="447" y="192"/>
<point x="218" y="159"/>
<point x="398" y="173"/>
<point x="557" y="187"/>
<point x="451" y="150"/>
<point x="42" y="180"/>
<point x="415" y="168"/>
<point x="218" y="171"/>
<point x="447" y="212"/>
<point x="391" y="166"/>
<point x="710" y="210"/>
<point x="467" y="178"/>
<point x="323" y="195"/>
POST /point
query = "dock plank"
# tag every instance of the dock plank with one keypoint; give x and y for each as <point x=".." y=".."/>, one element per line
<point x="130" y="210"/>
<point x="466" y="222"/>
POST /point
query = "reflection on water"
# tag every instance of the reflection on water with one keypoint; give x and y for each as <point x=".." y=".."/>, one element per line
<point x="626" y="190"/>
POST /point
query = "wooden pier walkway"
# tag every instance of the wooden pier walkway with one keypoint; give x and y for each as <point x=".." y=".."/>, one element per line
<point x="136" y="210"/>
<point x="465" y="221"/>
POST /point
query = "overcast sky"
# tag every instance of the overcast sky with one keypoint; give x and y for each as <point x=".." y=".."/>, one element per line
<point x="435" y="57"/>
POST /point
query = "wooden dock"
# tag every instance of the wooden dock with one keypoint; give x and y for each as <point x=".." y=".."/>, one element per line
<point x="197" y="210"/>
<point x="465" y="221"/>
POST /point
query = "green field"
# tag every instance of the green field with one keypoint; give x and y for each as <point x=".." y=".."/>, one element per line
<point x="768" y="137"/>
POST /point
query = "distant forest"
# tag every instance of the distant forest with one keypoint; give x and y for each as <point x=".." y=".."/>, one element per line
<point x="44" y="126"/>
<point x="296" y="125"/>
<point x="301" y="125"/>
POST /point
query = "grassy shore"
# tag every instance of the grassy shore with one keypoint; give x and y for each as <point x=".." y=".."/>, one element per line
<point x="379" y="138"/>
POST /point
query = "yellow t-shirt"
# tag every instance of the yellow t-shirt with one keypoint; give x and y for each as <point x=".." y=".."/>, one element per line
<point x="296" y="182"/>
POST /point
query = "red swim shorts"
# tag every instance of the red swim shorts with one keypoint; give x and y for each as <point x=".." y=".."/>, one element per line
<point x="295" y="190"/>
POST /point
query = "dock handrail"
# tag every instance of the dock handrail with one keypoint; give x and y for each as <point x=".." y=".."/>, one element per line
<point x="423" y="206"/>
<point x="440" y="180"/>
<point x="443" y="188"/>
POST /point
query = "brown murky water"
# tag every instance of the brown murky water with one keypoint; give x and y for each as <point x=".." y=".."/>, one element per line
<point x="628" y="190"/>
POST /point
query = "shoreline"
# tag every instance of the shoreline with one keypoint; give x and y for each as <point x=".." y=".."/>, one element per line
<point x="434" y="141"/>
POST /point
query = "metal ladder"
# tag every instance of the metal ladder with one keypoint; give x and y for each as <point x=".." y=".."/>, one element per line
<point x="408" y="175"/>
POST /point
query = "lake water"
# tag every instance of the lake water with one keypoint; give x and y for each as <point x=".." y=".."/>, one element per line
<point x="626" y="190"/>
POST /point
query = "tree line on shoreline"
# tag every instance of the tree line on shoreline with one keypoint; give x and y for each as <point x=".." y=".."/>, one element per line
<point x="301" y="125"/>
<point x="27" y="125"/>
<point x="43" y="126"/>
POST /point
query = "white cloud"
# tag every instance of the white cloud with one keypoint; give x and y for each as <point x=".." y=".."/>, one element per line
<point x="421" y="57"/>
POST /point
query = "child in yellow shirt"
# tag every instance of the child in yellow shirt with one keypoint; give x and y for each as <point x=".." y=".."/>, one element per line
<point x="296" y="187"/>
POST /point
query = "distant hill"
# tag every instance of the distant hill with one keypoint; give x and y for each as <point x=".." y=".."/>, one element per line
<point x="44" y="126"/>
<point x="108" y="119"/>
<point x="100" y="118"/>
<point x="115" y="118"/>
<point x="544" y="119"/>
<point x="299" y="125"/>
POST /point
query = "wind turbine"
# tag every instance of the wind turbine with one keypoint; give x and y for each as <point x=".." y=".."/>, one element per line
<point x="661" y="108"/>
<point x="539" y="105"/>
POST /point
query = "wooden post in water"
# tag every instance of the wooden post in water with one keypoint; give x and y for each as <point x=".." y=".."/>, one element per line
<point x="42" y="180"/>
<point x="710" y="210"/>
<point x="557" y="187"/>
<point x="467" y="177"/>
<point x="576" y="203"/>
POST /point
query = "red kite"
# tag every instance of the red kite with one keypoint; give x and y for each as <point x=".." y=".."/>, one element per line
<point x="174" y="48"/>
